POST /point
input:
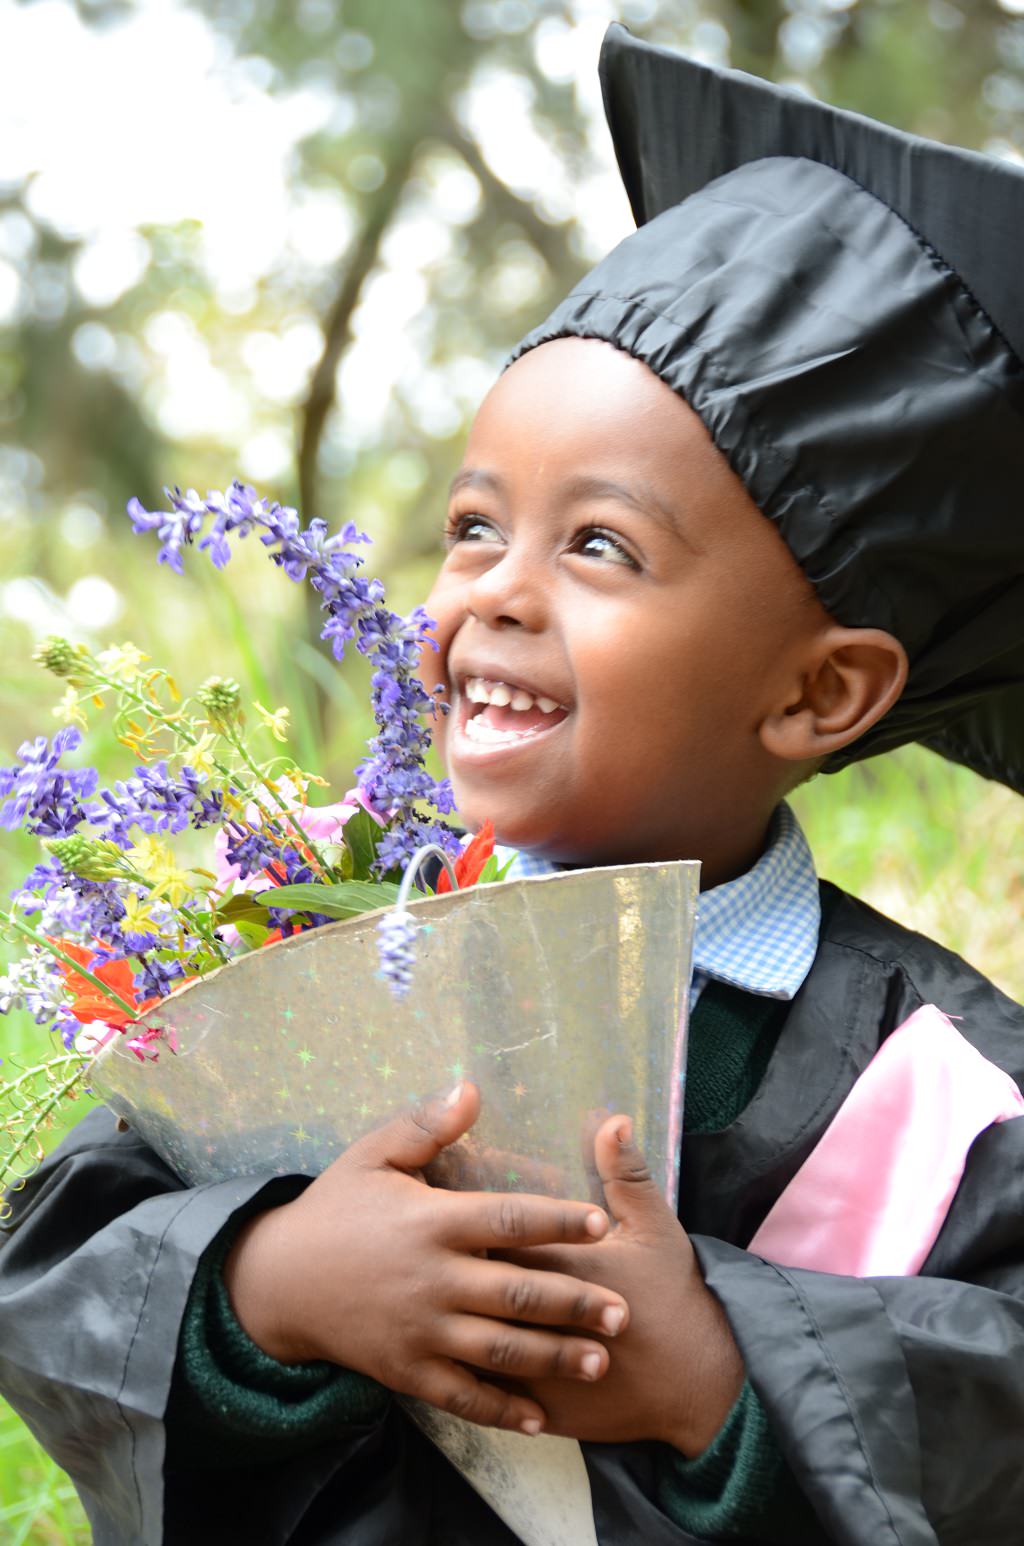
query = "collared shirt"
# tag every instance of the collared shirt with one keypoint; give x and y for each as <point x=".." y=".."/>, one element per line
<point x="758" y="932"/>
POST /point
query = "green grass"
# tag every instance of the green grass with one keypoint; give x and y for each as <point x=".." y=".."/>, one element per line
<point x="38" y="1505"/>
<point x="932" y="845"/>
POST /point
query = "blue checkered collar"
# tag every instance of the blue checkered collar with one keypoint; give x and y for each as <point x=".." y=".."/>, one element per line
<point x="758" y="932"/>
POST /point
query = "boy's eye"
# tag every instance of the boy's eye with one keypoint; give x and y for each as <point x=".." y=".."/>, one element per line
<point x="595" y="543"/>
<point x="469" y="528"/>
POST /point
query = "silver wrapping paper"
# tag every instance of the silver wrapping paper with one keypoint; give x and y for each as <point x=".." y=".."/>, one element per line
<point x="563" y="997"/>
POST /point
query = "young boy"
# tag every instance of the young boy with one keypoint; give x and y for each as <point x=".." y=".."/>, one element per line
<point x="747" y="506"/>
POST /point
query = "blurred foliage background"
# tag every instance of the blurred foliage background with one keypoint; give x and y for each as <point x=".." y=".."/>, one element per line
<point x="293" y="242"/>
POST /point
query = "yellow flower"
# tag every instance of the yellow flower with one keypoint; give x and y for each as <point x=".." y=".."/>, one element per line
<point x="138" y="919"/>
<point x="156" y="863"/>
<point x="121" y="661"/>
<point x="70" y="711"/>
<point x="276" y="722"/>
<point x="200" y="756"/>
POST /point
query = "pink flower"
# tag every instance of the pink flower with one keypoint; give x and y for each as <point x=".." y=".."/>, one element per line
<point x="322" y="823"/>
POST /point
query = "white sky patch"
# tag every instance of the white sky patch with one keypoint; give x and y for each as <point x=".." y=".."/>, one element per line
<point x="93" y="603"/>
<point x="10" y="291"/>
<point x="149" y="120"/>
<point x="267" y="456"/>
<point x="32" y="602"/>
<point x="496" y="110"/>
<point x="81" y="526"/>
<point x="108" y="265"/>
<point x="190" y="398"/>
<point x="280" y="363"/>
<point x="321" y="226"/>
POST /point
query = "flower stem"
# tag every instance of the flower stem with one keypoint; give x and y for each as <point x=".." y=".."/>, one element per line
<point x="243" y="752"/>
<point x="81" y="971"/>
<point x="180" y="726"/>
<point x="200" y="923"/>
<point x="11" y="1160"/>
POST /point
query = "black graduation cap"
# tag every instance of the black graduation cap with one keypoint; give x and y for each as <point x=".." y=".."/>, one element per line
<point x="843" y="306"/>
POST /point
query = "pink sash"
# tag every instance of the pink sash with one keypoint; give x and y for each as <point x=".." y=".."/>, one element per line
<point x="869" y="1201"/>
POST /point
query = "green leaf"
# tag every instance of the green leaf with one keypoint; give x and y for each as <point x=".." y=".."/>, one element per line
<point x="344" y="900"/>
<point x="252" y="935"/>
<point x="243" y="908"/>
<point x="204" y="962"/>
<point x="361" y="834"/>
<point x="489" y="871"/>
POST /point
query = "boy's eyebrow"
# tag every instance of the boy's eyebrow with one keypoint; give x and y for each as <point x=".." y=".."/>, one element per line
<point x="474" y="477"/>
<point x="640" y="496"/>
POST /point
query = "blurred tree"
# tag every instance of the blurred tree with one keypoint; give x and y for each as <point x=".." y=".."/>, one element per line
<point x="403" y="155"/>
<point x="444" y="178"/>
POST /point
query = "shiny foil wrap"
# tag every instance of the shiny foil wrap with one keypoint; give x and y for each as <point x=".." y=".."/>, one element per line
<point x="560" y="996"/>
<point x="564" y="997"/>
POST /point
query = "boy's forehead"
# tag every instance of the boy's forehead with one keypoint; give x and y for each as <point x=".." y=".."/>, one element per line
<point x="579" y="421"/>
<point x="586" y="390"/>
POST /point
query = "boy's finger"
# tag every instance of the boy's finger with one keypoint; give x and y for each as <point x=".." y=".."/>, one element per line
<point x="411" y="1140"/>
<point x="499" y="1221"/>
<point x="457" y="1390"/>
<point x="629" y="1188"/>
<point x="520" y="1354"/>
<point x="509" y="1293"/>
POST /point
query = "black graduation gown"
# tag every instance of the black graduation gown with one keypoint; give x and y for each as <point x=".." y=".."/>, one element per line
<point x="898" y="1402"/>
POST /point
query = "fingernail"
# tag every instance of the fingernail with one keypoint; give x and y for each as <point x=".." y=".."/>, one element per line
<point x="453" y="1098"/>
<point x="595" y="1224"/>
<point x="612" y="1319"/>
<point x="530" y="1425"/>
<point x="590" y="1364"/>
<point x="625" y="1133"/>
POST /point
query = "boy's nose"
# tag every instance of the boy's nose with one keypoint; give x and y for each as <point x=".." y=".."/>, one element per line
<point x="511" y="593"/>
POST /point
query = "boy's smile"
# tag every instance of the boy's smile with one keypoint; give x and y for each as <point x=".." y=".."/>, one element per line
<point x="614" y="619"/>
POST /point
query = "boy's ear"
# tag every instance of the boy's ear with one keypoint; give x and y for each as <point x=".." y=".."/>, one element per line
<point x="853" y="677"/>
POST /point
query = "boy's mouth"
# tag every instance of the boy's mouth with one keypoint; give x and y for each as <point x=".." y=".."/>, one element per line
<point x="503" y="713"/>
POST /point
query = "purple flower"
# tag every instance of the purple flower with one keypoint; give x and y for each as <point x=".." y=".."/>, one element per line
<point x="157" y="978"/>
<point x="154" y="801"/>
<point x="34" y="984"/>
<point x="176" y="528"/>
<point x="67" y="1028"/>
<point x="40" y="795"/>
<point x="393" y="778"/>
<point x="252" y="851"/>
<point x="396" y="932"/>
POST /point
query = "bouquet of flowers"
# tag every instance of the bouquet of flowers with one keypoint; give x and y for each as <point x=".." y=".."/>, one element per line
<point x="113" y="918"/>
<point x="126" y="945"/>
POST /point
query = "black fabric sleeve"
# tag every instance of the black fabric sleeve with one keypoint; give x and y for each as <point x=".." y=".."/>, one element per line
<point x="96" y="1267"/>
<point x="740" y="1488"/>
<point x="898" y="1402"/>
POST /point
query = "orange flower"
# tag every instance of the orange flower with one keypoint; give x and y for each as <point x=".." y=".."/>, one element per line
<point x="89" y="1003"/>
<point x="471" y="861"/>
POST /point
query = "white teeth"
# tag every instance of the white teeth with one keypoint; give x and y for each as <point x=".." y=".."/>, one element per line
<point x="479" y="690"/>
<point x="476" y="730"/>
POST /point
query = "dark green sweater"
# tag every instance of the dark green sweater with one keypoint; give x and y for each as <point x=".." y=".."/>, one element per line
<point x="239" y="1406"/>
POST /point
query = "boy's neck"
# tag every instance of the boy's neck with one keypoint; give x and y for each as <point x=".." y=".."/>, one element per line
<point x="720" y="861"/>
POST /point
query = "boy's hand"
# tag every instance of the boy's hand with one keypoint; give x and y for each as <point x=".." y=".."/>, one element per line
<point x="676" y="1372"/>
<point x="374" y="1269"/>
